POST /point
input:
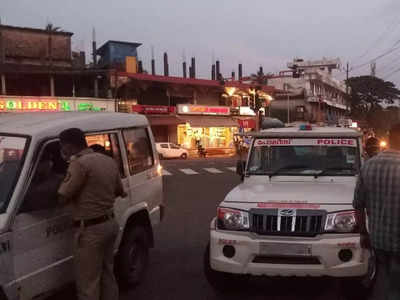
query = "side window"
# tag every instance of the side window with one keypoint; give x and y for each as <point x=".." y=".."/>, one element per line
<point x="107" y="144"/>
<point x="49" y="172"/>
<point x="164" y="146"/>
<point x="138" y="149"/>
<point x="173" y="146"/>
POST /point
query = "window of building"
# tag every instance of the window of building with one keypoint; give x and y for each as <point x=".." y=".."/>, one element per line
<point x="139" y="150"/>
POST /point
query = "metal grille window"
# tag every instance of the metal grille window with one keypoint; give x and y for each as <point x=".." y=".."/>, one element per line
<point x="286" y="222"/>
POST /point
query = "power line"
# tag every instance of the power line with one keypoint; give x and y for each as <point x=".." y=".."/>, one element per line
<point x="391" y="74"/>
<point x="392" y="26"/>
<point x="376" y="58"/>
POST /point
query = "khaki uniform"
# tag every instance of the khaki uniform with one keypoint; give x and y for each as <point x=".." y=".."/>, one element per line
<point x="91" y="185"/>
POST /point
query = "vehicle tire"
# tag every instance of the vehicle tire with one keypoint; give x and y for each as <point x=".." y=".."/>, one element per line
<point x="133" y="257"/>
<point x="184" y="156"/>
<point x="221" y="282"/>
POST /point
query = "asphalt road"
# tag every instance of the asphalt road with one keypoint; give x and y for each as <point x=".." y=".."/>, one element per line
<point x="176" y="263"/>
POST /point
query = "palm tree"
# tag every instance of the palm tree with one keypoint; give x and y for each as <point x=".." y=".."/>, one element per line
<point x="50" y="28"/>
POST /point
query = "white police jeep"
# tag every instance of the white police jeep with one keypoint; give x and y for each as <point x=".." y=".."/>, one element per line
<point x="292" y="215"/>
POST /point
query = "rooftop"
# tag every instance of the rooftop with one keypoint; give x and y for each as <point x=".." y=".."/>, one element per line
<point x="317" y="131"/>
<point x="36" y="30"/>
<point x="50" y="124"/>
<point x="101" y="50"/>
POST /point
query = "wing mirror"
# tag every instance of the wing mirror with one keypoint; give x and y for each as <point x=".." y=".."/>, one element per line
<point x="240" y="168"/>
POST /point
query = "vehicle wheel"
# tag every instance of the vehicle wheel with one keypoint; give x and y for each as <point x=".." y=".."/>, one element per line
<point x="184" y="156"/>
<point x="222" y="282"/>
<point x="133" y="257"/>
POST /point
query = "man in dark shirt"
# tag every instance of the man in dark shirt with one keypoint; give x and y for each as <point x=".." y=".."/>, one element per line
<point x="377" y="195"/>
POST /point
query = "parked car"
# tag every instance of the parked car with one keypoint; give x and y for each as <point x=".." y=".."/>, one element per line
<point x="170" y="150"/>
<point x="35" y="243"/>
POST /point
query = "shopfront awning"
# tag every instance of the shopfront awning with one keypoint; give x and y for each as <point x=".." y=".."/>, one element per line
<point x="209" y="121"/>
<point x="164" y="120"/>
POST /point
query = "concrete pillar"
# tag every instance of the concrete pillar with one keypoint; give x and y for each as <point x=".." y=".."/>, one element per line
<point x="52" y="88"/>
<point x="96" y="88"/>
<point x="3" y="85"/>
<point x="194" y="97"/>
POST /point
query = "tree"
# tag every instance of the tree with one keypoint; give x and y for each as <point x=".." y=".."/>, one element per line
<point x="367" y="93"/>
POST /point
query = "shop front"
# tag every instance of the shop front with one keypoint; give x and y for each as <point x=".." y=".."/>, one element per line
<point x="163" y="121"/>
<point x="211" y="127"/>
<point x="53" y="104"/>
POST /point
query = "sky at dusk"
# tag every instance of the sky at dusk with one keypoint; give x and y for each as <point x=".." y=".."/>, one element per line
<point x="267" y="33"/>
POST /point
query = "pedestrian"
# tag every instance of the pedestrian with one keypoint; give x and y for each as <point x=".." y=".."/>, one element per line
<point x="372" y="147"/>
<point x="91" y="185"/>
<point x="377" y="195"/>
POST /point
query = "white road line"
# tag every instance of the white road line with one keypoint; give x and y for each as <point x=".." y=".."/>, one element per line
<point x="188" y="171"/>
<point x="213" y="170"/>
<point x="165" y="173"/>
<point x="233" y="169"/>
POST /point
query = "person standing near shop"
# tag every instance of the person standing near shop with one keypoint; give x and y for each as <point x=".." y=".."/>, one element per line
<point x="377" y="195"/>
<point x="372" y="147"/>
<point x="91" y="185"/>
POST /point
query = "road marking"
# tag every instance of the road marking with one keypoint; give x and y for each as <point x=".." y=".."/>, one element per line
<point x="166" y="173"/>
<point x="188" y="171"/>
<point x="233" y="169"/>
<point x="213" y="170"/>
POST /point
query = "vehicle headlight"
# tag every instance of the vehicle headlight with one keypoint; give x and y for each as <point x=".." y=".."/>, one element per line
<point x="232" y="219"/>
<point x="343" y="221"/>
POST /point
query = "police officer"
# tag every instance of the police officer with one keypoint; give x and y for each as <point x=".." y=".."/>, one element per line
<point x="91" y="185"/>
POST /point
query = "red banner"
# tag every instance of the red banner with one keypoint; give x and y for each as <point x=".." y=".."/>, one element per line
<point x="153" y="109"/>
<point x="250" y="123"/>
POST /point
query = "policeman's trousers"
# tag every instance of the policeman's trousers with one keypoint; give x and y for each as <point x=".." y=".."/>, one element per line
<point x="94" y="262"/>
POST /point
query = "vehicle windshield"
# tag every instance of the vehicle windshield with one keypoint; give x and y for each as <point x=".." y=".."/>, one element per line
<point x="11" y="152"/>
<point x="318" y="157"/>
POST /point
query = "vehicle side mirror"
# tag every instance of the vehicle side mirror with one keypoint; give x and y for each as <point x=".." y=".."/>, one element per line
<point x="240" y="168"/>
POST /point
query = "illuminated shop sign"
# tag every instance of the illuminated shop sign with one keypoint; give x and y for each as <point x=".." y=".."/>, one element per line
<point x="45" y="105"/>
<point x="246" y="111"/>
<point x="203" y="110"/>
<point x="153" y="109"/>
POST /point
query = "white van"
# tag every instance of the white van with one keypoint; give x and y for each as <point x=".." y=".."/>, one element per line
<point x="36" y="240"/>
<point x="292" y="215"/>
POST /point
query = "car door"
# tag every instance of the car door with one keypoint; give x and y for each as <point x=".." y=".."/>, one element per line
<point x="176" y="151"/>
<point x="110" y="143"/>
<point x="163" y="148"/>
<point x="43" y="233"/>
<point x="144" y="184"/>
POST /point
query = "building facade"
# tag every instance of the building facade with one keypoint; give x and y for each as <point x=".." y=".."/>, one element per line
<point x="314" y="95"/>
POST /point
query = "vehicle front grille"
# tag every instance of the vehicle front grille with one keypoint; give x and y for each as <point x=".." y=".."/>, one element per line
<point x="301" y="223"/>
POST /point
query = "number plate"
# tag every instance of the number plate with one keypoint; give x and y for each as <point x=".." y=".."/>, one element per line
<point x="284" y="249"/>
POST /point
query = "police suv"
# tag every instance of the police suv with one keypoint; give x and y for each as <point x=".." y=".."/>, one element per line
<point x="292" y="214"/>
<point x="36" y="240"/>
